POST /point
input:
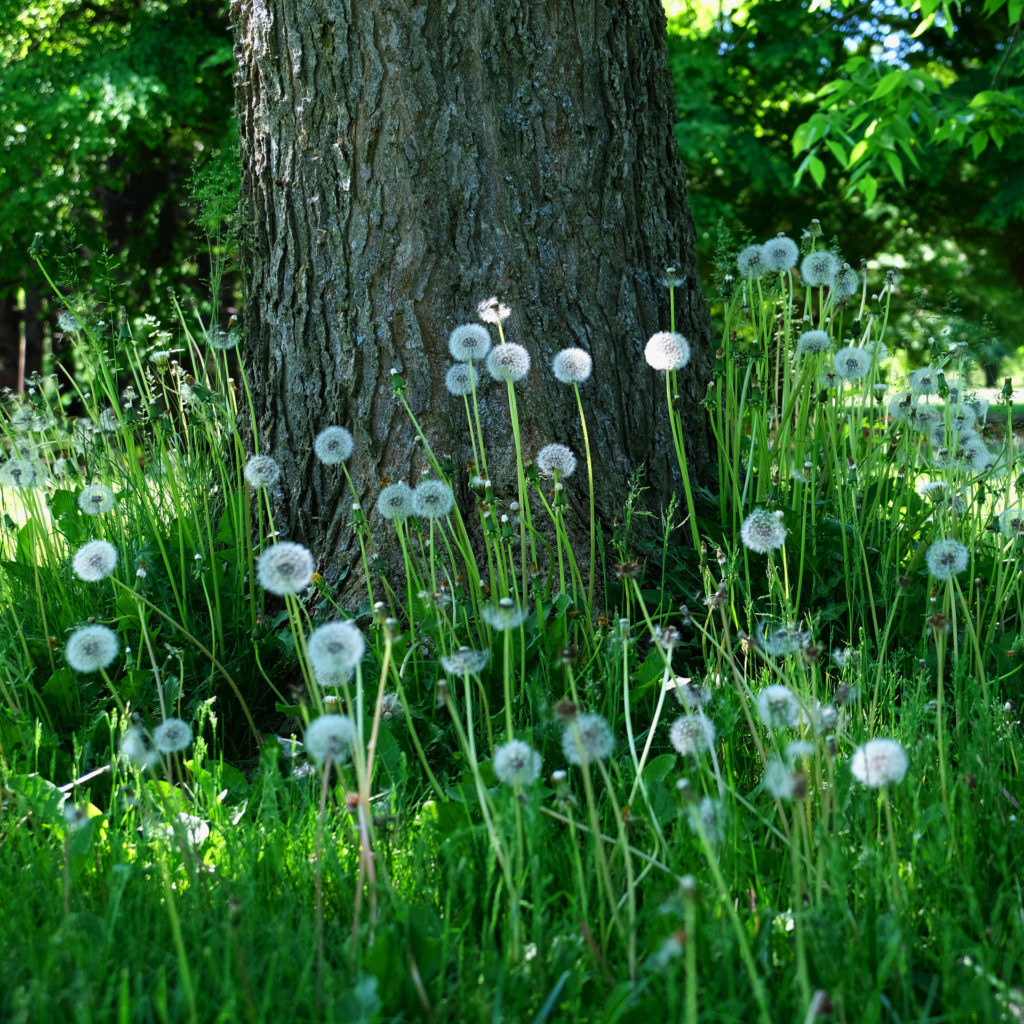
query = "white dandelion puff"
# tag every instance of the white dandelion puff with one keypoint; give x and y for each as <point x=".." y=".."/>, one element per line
<point x="780" y="253"/>
<point x="262" y="471"/>
<point x="335" y="648"/>
<point x="172" y="735"/>
<point x="432" y="499"/>
<point x="878" y="763"/>
<point x="811" y="342"/>
<point x="333" y="445"/>
<point x="491" y="311"/>
<point x="18" y="473"/>
<point x="752" y="262"/>
<point x="516" y="763"/>
<point x="460" y="380"/>
<point x="465" y="661"/>
<point x="763" y="531"/>
<point x="94" y="561"/>
<point x="330" y="738"/>
<point x="509" y="362"/>
<point x="667" y="351"/>
<point x="572" y="366"/>
<point x="778" y="779"/>
<point x="91" y="648"/>
<point x="395" y="501"/>
<point x="946" y="558"/>
<point x="819" y="268"/>
<point x="556" y="458"/>
<point x="1011" y="522"/>
<point x="692" y="734"/>
<point x="285" y="568"/>
<point x="924" y="381"/>
<point x="852" y="363"/>
<point x="469" y="341"/>
<point x="778" y="707"/>
<point x="504" y="615"/>
<point x="587" y="738"/>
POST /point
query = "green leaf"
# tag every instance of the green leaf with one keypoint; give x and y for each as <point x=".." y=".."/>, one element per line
<point x="658" y="767"/>
<point x="886" y="85"/>
<point x="869" y="186"/>
<point x="979" y="142"/>
<point x="817" y="169"/>
<point x="896" y="167"/>
<point x="837" y="152"/>
<point x="858" y="151"/>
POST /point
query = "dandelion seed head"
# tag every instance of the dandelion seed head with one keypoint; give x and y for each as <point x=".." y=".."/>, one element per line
<point x="778" y="779"/>
<point x="846" y="283"/>
<point x="763" y="531"/>
<point x="330" y="738"/>
<point x="137" y="748"/>
<point x="556" y="458"/>
<point x="780" y="253"/>
<point x="813" y="341"/>
<point x="852" y="363"/>
<point x="504" y="615"/>
<point x="572" y="366"/>
<point x="1011" y="522"/>
<point x="469" y="341"/>
<point x="172" y="735"/>
<point x="709" y="817"/>
<point x="20" y="473"/>
<point x="432" y="499"/>
<point x="491" y="311"/>
<point x="91" y="648"/>
<point x="782" y="640"/>
<point x="878" y="763"/>
<point x="819" y="268"/>
<point x="516" y="763"/>
<point x="508" y="362"/>
<point x="262" y="471"/>
<point x="752" y="262"/>
<point x="94" y="561"/>
<point x="778" y="707"/>
<point x="335" y="648"/>
<point x="333" y="445"/>
<point x="465" y="661"/>
<point x="285" y="568"/>
<point x="395" y="501"/>
<point x="587" y="738"/>
<point x="667" y="351"/>
<point x="946" y="558"/>
<point x="460" y="379"/>
<point x="692" y="734"/>
<point x="924" y="381"/>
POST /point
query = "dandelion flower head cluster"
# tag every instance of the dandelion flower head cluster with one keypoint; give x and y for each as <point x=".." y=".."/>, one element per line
<point x="172" y="735"/>
<point x="667" y="351"/>
<point x="878" y="763"/>
<point x="780" y="253"/>
<point x="333" y="445"/>
<point x="330" y="738"/>
<point x="946" y="558"/>
<point x="460" y="379"/>
<point x="763" y="531"/>
<point x="504" y="615"/>
<point x="516" y="763"/>
<point x="335" y="648"/>
<point x="572" y="366"/>
<point x="811" y="342"/>
<point x="91" y="648"/>
<point x="96" y="499"/>
<point x="508" y="362"/>
<point x="778" y="707"/>
<point x="852" y="363"/>
<point x="587" y="738"/>
<point x="692" y="734"/>
<point x="469" y="341"/>
<point x="285" y="568"/>
<point x="819" y="268"/>
<point x="556" y="459"/>
<point x="432" y="499"/>
<point x="752" y="262"/>
<point x="262" y="471"/>
<point x="94" y="561"/>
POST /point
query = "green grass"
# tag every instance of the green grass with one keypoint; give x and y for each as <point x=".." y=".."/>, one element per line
<point x="410" y="876"/>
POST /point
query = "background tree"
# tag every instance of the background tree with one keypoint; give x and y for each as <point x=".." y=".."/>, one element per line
<point x="899" y="133"/>
<point x="400" y="164"/>
<point x="105" y="108"/>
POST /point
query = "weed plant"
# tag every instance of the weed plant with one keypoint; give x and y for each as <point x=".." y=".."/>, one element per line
<point x="774" y="775"/>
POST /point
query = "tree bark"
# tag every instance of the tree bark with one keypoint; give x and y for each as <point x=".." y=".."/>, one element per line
<point x="402" y="162"/>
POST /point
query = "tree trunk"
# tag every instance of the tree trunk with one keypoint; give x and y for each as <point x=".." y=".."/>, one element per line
<point x="401" y="163"/>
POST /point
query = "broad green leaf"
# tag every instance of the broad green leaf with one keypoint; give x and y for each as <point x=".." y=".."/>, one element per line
<point x="858" y="152"/>
<point x="896" y="167"/>
<point x="886" y="85"/>
<point x="837" y="151"/>
<point x="978" y="144"/>
<point x="817" y="169"/>
<point x="869" y="186"/>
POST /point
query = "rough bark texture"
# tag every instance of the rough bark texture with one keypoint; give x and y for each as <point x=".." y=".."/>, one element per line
<point x="404" y="161"/>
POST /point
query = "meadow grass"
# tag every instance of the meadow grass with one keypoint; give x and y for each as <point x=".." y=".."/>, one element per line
<point x="757" y="759"/>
